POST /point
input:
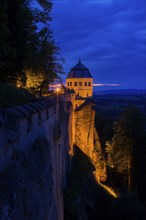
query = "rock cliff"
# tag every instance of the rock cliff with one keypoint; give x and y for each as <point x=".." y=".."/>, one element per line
<point x="87" y="139"/>
<point x="36" y="148"/>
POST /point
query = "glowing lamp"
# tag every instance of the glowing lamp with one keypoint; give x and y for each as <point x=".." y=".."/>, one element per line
<point x="57" y="90"/>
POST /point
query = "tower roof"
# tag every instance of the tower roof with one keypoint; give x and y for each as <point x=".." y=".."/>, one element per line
<point x="79" y="71"/>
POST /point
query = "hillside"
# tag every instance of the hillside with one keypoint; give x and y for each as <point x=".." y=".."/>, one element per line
<point x="11" y="95"/>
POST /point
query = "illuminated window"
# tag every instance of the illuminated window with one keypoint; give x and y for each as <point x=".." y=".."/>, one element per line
<point x="75" y="83"/>
<point x="70" y="83"/>
<point x="89" y="83"/>
<point x="80" y="83"/>
<point x="85" y="83"/>
<point x="67" y="83"/>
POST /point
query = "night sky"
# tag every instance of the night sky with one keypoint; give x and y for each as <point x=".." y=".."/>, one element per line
<point x="107" y="35"/>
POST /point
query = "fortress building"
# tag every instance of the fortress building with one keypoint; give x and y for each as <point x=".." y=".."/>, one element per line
<point x="80" y="80"/>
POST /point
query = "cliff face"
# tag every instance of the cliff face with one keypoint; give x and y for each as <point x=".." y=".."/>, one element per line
<point x="36" y="146"/>
<point x="87" y="139"/>
<point x="81" y="195"/>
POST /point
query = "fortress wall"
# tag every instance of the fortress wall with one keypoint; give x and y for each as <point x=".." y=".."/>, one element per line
<point x="62" y="122"/>
<point x="22" y="126"/>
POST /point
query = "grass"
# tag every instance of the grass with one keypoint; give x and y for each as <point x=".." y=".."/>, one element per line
<point x="10" y="95"/>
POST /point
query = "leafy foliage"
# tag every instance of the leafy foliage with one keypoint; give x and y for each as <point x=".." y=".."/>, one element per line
<point x="27" y="44"/>
<point x="121" y="149"/>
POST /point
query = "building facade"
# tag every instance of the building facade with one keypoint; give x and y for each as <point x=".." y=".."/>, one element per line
<point x="80" y="80"/>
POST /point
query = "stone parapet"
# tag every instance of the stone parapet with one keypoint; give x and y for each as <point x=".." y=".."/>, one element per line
<point x="20" y="128"/>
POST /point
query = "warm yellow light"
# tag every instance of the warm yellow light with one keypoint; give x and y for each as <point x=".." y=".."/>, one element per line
<point x="107" y="188"/>
<point x="57" y="90"/>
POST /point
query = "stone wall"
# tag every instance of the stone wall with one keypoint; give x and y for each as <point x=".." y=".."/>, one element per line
<point x="29" y="133"/>
<point x="36" y="146"/>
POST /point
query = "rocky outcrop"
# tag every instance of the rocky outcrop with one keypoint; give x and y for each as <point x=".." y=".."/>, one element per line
<point x="87" y="139"/>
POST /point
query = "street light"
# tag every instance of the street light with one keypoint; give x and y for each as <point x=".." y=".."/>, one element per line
<point x="57" y="90"/>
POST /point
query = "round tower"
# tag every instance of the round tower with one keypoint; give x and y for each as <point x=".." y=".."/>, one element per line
<point x="80" y="80"/>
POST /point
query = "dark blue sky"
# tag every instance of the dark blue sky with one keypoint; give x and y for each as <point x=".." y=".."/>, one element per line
<point x="107" y="35"/>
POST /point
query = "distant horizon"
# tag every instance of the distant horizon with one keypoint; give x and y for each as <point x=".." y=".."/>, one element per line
<point x="109" y="85"/>
<point x="106" y="88"/>
<point x="101" y="87"/>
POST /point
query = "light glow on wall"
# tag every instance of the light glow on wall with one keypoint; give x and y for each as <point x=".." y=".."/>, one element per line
<point x="108" y="189"/>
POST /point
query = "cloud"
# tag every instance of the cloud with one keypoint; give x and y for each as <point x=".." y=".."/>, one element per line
<point x="109" y="37"/>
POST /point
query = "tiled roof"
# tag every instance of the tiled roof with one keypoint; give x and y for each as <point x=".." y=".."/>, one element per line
<point x="79" y="71"/>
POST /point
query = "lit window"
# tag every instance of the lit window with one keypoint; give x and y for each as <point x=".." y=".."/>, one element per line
<point x="70" y="83"/>
<point x="75" y="83"/>
<point x="89" y="83"/>
<point x="67" y="83"/>
<point x="80" y="83"/>
<point x="85" y="83"/>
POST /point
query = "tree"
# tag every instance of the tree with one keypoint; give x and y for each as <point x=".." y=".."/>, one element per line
<point x="121" y="149"/>
<point x="3" y="34"/>
<point x="26" y="42"/>
<point x="19" y="30"/>
<point x="45" y="64"/>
